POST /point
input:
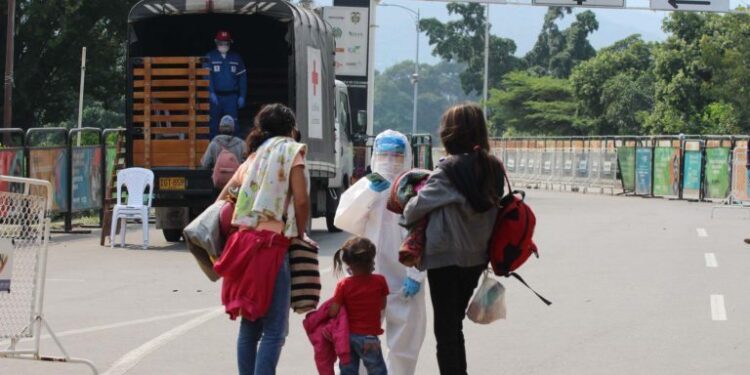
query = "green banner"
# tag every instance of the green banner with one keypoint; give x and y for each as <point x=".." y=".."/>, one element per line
<point x="691" y="175"/>
<point x="666" y="171"/>
<point x="643" y="171"/>
<point x="717" y="172"/>
<point x="626" y="157"/>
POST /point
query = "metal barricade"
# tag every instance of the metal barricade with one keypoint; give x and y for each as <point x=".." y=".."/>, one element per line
<point x="667" y="167"/>
<point x="568" y="173"/>
<point x="422" y="150"/>
<point x="740" y="193"/>
<point x="692" y="180"/>
<point x="548" y="159"/>
<point x="24" y="236"/>
<point x="47" y="160"/>
<point x="626" y="163"/>
<point x="717" y="168"/>
<point x="644" y="166"/>
<point x="580" y="164"/>
<point x="608" y="173"/>
<point x="85" y="170"/>
<point x="12" y="155"/>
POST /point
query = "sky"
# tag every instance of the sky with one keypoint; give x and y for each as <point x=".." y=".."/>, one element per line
<point x="395" y="37"/>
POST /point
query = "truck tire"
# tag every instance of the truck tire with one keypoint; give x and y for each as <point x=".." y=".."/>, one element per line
<point x="331" y="206"/>
<point x="172" y="235"/>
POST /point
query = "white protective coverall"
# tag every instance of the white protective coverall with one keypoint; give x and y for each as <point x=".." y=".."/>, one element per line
<point x="363" y="213"/>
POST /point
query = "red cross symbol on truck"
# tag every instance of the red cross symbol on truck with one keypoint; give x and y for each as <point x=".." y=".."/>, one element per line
<point x="315" y="78"/>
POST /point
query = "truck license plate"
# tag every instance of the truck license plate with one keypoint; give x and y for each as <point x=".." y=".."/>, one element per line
<point x="172" y="183"/>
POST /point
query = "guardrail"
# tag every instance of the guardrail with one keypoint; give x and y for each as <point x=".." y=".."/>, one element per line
<point x="701" y="168"/>
<point x="76" y="162"/>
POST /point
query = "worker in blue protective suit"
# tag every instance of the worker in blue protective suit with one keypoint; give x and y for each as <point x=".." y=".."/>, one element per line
<point x="362" y="212"/>
<point x="228" y="82"/>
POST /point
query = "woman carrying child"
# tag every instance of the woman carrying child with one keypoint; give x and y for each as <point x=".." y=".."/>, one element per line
<point x="461" y="198"/>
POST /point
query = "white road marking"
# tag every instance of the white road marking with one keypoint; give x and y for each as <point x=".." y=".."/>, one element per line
<point x="131" y="359"/>
<point x="718" y="311"/>
<point x="711" y="260"/>
<point x="702" y="232"/>
<point x="123" y="324"/>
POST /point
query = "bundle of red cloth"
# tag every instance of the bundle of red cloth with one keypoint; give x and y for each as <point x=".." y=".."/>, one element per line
<point x="406" y="187"/>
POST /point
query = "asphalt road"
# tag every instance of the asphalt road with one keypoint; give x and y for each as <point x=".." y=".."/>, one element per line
<point x="631" y="279"/>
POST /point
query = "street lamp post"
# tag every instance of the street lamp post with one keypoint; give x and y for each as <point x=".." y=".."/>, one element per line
<point x="415" y="77"/>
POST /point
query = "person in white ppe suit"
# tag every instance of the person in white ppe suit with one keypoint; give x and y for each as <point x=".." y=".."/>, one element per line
<point x="362" y="212"/>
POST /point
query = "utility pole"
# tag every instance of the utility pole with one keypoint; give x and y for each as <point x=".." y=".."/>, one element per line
<point x="80" y="97"/>
<point x="9" y="55"/>
<point x="416" y="84"/>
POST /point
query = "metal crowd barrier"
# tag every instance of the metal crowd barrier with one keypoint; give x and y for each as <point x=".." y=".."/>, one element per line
<point x="76" y="162"/>
<point x="690" y="167"/>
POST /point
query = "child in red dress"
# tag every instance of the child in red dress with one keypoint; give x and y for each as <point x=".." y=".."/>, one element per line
<point x="363" y="294"/>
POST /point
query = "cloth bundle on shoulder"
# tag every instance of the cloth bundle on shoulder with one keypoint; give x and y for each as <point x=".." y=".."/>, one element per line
<point x="204" y="239"/>
<point x="305" y="270"/>
<point x="406" y="187"/>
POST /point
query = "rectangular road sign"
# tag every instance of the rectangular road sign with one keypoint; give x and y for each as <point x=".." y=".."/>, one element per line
<point x="691" y="5"/>
<point x="582" y="3"/>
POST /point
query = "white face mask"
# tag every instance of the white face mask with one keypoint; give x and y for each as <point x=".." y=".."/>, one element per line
<point x="223" y="49"/>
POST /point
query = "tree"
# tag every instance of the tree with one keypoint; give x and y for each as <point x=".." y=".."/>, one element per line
<point x="557" y="52"/>
<point x="614" y="90"/>
<point x="532" y="105"/>
<point x="702" y="75"/>
<point x="49" y="38"/>
<point x="439" y="88"/>
<point x="462" y="41"/>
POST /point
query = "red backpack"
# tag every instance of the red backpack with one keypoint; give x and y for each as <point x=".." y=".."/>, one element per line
<point x="511" y="244"/>
<point x="226" y="164"/>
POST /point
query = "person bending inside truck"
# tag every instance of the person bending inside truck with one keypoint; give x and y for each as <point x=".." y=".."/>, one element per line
<point x="272" y="208"/>
<point x="228" y="82"/>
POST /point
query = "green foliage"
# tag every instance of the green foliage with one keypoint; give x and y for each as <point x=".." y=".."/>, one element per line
<point x="49" y="38"/>
<point x="462" y="41"/>
<point x="702" y="75"/>
<point x="557" y="52"/>
<point x="614" y="90"/>
<point x="439" y="88"/>
<point x="530" y="104"/>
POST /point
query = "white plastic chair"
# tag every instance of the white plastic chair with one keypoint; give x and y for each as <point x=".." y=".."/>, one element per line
<point x="136" y="180"/>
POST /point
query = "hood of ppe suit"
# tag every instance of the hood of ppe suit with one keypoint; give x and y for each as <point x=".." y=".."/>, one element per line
<point x="391" y="155"/>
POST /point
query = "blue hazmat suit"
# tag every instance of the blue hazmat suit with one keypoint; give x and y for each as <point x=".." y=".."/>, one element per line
<point x="227" y="87"/>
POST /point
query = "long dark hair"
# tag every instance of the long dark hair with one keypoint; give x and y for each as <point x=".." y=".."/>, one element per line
<point x="358" y="253"/>
<point x="273" y="120"/>
<point x="471" y="169"/>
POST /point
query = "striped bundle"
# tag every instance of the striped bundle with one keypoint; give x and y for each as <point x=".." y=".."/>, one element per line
<point x="305" y="269"/>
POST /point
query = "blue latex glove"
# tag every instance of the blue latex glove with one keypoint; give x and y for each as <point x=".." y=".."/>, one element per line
<point x="241" y="102"/>
<point x="378" y="183"/>
<point x="214" y="99"/>
<point x="411" y="287"/>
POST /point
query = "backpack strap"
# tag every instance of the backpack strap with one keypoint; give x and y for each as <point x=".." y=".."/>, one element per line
<point x="519" y="278"/>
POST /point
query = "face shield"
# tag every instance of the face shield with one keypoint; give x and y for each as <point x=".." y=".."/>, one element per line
<point x="391" y="155"/>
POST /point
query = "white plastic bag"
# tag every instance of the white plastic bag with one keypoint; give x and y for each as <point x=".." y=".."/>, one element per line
<point x="354" y="207"/>
<point x="488" y="304"/>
